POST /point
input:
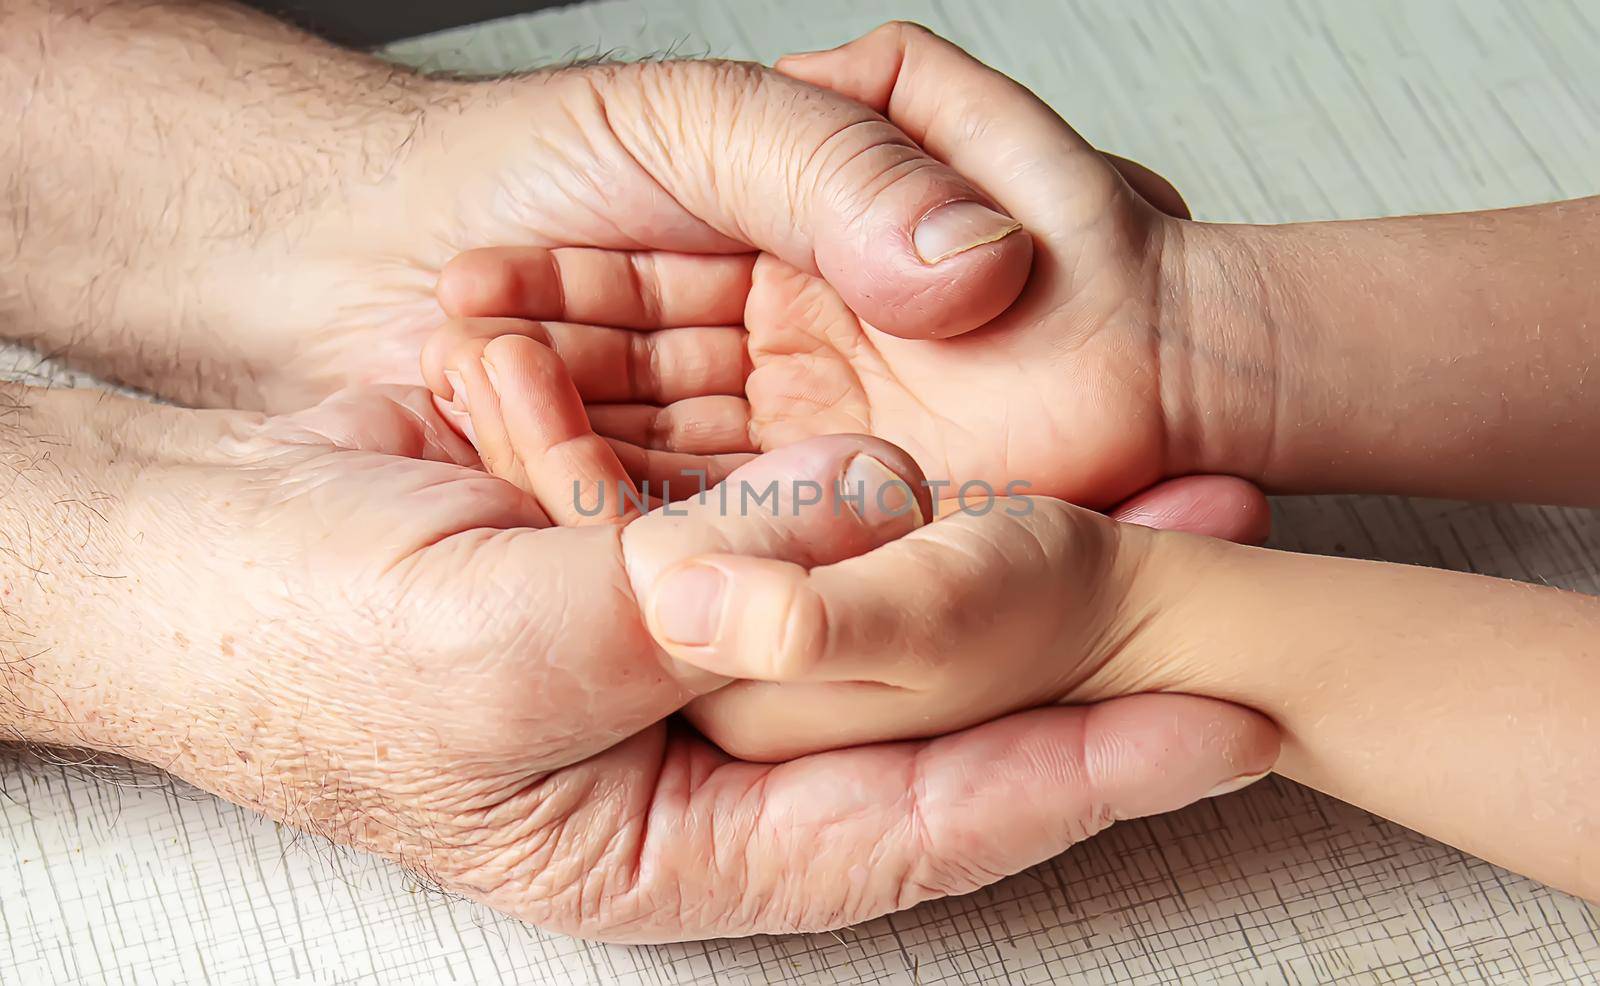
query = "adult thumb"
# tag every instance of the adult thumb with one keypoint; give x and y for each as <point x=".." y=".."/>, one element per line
<point x="825" y="183"/>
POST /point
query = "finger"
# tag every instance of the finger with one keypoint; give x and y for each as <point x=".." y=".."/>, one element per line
<point x="847" y="836"/>
<point x="827" y="185"/>
<point x="1217" y="506"/>
<point x="944" y="99"/>
<point x="1152" y="187"/>
<point x="614" y="365"/>
<point x="699" y="425"/>
<point x="528" y="424"/>
<point x="622" y="288"/>
<point x="673" y="476"/>
<point x="814" y="502"/>
<point x="389" y="418"/>
<point x="892" y="616"/>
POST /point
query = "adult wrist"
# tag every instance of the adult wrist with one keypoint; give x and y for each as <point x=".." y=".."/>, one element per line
<point x="1223" y="348"/>
<point x="73" y="457"/>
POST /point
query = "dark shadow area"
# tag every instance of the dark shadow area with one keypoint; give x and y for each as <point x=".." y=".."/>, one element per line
<point x="368" y="23"/>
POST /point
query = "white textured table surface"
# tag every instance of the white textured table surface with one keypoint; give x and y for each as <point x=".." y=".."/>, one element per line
<point x="1257" y="111"/>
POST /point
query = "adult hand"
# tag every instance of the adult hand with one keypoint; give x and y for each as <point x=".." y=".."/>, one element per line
<point x="335" y="617"/>
<point x="1088" y="388"/>
<point x="276" y="231"/>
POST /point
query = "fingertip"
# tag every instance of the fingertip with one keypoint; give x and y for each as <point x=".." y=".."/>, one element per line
<point x="739" y="617"/>
<point x="965" y="273"/>
<point x="802" y="64"/>
<point x="863" y="69"/>
<point x="1257" y="744"/>
<point x="869" y="491"/>
<point x="432" y="361"/>
<point x="464" y="283"/>
<point x="1225" y="507"/>
<point x="685" y="608"/>
<point x="500" y="281"/>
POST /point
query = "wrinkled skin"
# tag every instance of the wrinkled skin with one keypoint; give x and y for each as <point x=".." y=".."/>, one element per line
<point x="1068" y="390"/>
<point x="676" y="164"/>
<point x="353" y="628"/>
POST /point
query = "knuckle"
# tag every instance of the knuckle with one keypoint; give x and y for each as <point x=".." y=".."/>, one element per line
<point x="908" y="31"/>
<point x="802" y="641"/>
<point x="462" y="346"/>
<point x="524" y="349"/>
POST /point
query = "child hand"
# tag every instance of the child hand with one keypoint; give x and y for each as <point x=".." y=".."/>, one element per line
<point x="1003" y="640"/>
<point x="504" y="387"/>
<point x="513" y="397"/>
<point x="958" y="622"/>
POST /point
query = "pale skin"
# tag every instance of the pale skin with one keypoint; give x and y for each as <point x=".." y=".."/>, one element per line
<point x="1445" y="355"/>
<point x="327" y="607"/>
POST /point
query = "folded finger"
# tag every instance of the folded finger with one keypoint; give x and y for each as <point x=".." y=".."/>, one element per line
<point x="615" y="365"/>
<point x="640" y="289"/>
<point x="697" y="425"/>
<point x="528" y="423"/>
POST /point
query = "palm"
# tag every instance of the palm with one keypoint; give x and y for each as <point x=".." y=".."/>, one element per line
<point x="1060" y="392"/>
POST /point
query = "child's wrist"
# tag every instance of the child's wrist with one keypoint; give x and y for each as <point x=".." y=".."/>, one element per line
<point x="1158" y="642"/>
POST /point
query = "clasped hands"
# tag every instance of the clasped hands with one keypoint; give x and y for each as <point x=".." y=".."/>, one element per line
<point x="374" y="614"/>
<point x="599" y="382"/>
<point x="1007" y="602"/>
<point x="371" y="596"/>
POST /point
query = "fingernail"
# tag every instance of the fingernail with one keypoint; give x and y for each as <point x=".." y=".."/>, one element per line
<point x="878" y="495"/>
<point x="1236" y="784"/>
<point x="455" y="411"/>
<point x="958" y="227"/>
<point x="458" y="390"/>
<point x="489" y="371"/>
<point x="688" y="604"/>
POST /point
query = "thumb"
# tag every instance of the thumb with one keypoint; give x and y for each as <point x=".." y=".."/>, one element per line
<point x="846" y="836"/>
<point x="816" y="502"/>
<point x="825" y="183"/>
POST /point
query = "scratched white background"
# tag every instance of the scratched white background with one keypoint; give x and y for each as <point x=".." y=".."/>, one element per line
<point x="1257" y="111"/>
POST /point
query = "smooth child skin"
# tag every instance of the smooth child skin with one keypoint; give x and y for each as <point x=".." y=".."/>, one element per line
<point x="1457" y="705"/>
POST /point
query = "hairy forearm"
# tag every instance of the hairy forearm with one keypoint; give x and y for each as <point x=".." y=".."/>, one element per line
<point x="1458" y="705"/>
<point x="68" y="460"/>
<point x="147" y="150"/>
<point x="1433" y="355"/>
